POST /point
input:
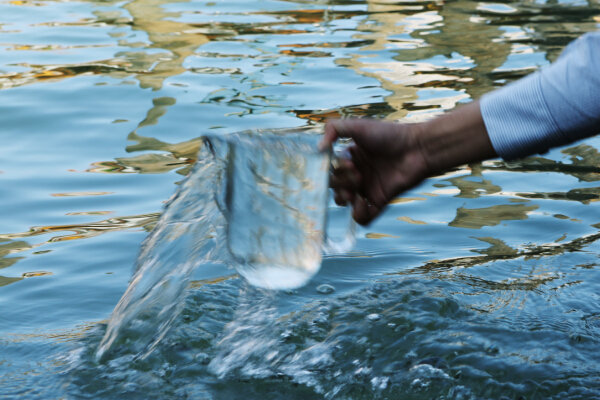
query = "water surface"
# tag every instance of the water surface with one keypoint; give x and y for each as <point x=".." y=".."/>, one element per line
<point x="481" y="283"/>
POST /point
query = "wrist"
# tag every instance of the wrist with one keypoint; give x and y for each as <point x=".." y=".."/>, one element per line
<point x="453" y="139"/>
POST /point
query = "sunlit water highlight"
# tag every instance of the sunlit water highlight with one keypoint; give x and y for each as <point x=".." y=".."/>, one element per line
<point x="481" y="283"/>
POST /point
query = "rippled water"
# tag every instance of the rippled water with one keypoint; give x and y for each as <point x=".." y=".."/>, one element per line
<point x="481" y="283"/>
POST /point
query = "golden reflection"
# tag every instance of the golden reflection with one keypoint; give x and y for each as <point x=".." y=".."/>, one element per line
<point x="80" y="231"/>
<point x="414" y="33"/>
<point x="180" y="39"/>
<point x="373" y="235"/>
<point x="476" y="218"/>
<point x="560" y="239"/>
<point x="384" y="21"/>
<point x="534" y="282"/>
<point x="4" y="281"/>
<point x="68" y="335"/>
<point x="78" y="194"/>
<point x="199" y="283"/>
<point x="469" y="41"/>
<point x="419" y="32"/>
<point x="35" y="273"/>
<point x="404" y="200"/>
<point x="377" y="110"/>
<point x="41" y="73"/>
<point x="9" y="248"/>
<point x="473" y="185"/>
<point x="411" y="221"/>
<point x="381" y="30"/>
<point x="584" y="195"/>
<point x="160" y="105"/>
<point x="478" y="41"/>
<point x="84" y="231"/>
<point x="27" y="3"/>
<point x="584" y="156"/>
<point x="177" y="41"/>
<point x="498" y="248"/>
<point x="585" y="164"/>
<point x="500" y="251"/>
<point x="297" y="53"/>
<point x="90" y="213"/>
<point x="182" y="155"/>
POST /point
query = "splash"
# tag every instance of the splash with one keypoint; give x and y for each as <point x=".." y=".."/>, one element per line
<point x="199" y="226"/>
<point x="184" y="238"/>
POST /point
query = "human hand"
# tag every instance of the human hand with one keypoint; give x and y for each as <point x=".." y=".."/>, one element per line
<point x="386" y="160"/>
<point x="390" y="158"/>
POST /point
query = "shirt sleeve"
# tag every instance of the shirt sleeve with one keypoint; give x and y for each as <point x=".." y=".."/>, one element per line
<point x="552" y="107"/>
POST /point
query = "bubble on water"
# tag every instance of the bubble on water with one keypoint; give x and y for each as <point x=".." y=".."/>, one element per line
<point x="379" y="383"/>
<point x="325" y="289"/>
<point x="492" y="348"/>
<point x="374" y="317"/>
<point x="419" y="383"/>
<point x="202" y="358"/>
<point x="426" y="371"/>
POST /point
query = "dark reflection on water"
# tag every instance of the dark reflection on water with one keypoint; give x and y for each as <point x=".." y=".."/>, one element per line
<point x="482" y="283"/>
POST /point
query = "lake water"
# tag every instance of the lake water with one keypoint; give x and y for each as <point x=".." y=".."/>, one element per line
<point x="481" y="283"/>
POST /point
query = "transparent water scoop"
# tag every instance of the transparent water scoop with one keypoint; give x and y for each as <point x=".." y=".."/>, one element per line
<point x="274" y="193"/>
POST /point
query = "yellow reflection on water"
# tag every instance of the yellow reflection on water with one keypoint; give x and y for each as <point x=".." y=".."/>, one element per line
<point x="79" y="194"/>
<point x="473" y="185"/>
<point x="80" y="231"/>
<point x="498" y="248"/>
<point x="8" y="247"/>
<point x="67" y="335"/>
<point x="476" y="218"/>
<point x="373" y="235"/>
<point x="90" y="213"/>
<point x="4" y="281"/>
<point x="182" y="156"/>
<point x="35" y="273"/>
<point x="83" y="231"/>
<point x="404" y="200"/>
<point x="199" y="283"/>
<point x="412" y="221"/>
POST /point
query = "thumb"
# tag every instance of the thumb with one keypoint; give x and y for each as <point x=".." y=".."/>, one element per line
<point x="330" y="135"/>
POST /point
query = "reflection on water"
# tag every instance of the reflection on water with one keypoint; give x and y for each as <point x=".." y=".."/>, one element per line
<point x="82" y="231"/>
<point x="477" y="218"/>
<point x="480" y="284"/>
<point x="181" y="157"/>
<point x="79" y="231"/>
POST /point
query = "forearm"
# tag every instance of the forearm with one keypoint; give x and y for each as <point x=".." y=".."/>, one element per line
<point x="456" y="138"/>
<point x="554" y="107"/>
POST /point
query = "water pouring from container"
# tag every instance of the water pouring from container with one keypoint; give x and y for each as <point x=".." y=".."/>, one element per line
<point x="257" y="201"/>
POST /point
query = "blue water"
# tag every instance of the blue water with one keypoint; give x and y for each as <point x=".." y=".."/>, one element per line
<point x="480" y="283"/>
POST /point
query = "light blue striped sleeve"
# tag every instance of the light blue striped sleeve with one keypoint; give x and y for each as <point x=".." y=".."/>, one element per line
<point x="552" y="107"/>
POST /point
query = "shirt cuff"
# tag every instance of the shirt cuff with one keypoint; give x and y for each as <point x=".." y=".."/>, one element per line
<point x="518" y="120"/>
